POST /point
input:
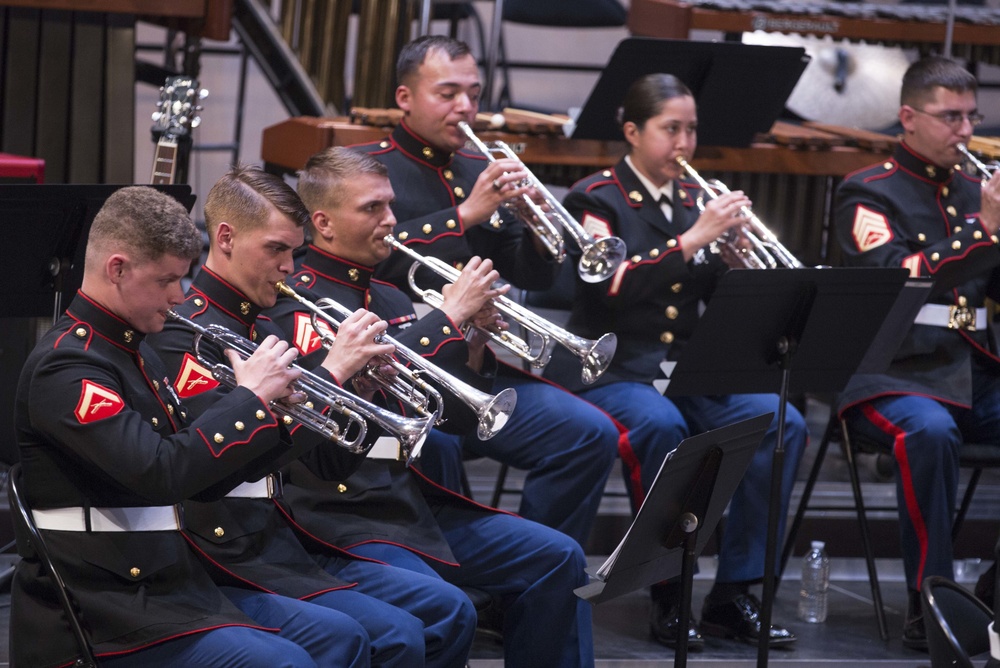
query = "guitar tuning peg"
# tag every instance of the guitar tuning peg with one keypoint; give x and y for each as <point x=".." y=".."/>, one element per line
<point x="196" y="121"/>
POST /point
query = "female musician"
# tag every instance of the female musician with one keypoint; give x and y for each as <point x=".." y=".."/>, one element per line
<point x="652" y="304"/>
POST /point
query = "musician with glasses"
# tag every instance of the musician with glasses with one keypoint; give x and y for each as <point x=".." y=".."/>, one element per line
<point x="393" y="513"/>
<point x="108" y="450"/>
<point x="917" y="211"/>
<point x="445" y="203"/>
<point x="652" y="303"/>
<point x="254" y="221"/>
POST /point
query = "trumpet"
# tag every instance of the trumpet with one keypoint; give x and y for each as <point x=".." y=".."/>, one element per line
<point x="411" y="432"/>
<point x="986" y="171"/>
<point x="543" y="335"/>
<point x="492" y="411"/>
<point x="750" y="245"/>
<point x="600" y="257"/>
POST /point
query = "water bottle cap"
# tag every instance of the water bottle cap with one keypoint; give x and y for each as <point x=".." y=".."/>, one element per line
<point x="818" y="545"/>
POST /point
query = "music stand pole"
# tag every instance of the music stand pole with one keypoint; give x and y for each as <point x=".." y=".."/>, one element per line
<point x="786" y="347"/>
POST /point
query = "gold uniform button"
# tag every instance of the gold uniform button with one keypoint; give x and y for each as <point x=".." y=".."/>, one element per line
<point x="446" y="330"/>
<point x="239" y="426"/>
<point x="170" y="408"/>
<point x="931" y="170"/>
<point x="994" y="238"/>
<point x="305" y="279"/>
<point x="156" y="423"/>
<point x="676" y="287"/>
<point x="683" y="194"/>
<point x="156" y="385"/>
<point x="219" y="438"/>
<point x="956" y="244"/>
<point x="352" y="274"/>
<point x="403" y="236"/>
<point x="459" y="191"/>
<point x="460" y="266"/>
<point x="184" y="414"/>
<point x="309" y="405"/>
<point x="427" y="228"/>
<point x="654" y="253"/>
<point x="606" y="173"/>
<point x="259" y="415"/>
<point x="935" y="257"/>
<point x="956" y="229"/>
<point x="135" y="572"/>
<point x="198" y="301"/>
<point x="219" y="532"/>
<point x="951" y="210"/>
<point x="671" y="243"/>
<point x="287" y="420"/>
<point x="384" y="144"/>
<point x="450" y="224"/>
<point x="667" y="337"/>
<point x="921" y="237"/>
<point x="496" y="224"/>
<point x="448" y="174"/>
<point x="253" y="335"/>
<point x="977" y="235"/>
<point x="80" y="332"/>
<point x="636" y="258"/>
<point x="635" y="196"/>
<point x="424" y="341"/>
<point x="672" y="312"/>
<point x="887" y="165"/>
<point x="341" y="488"/>
<point x="427" y="152"/>
<point x="944" y="191"/>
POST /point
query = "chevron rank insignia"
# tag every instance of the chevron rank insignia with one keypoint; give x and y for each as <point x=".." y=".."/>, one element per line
<point x="97" y="402"/>
<point x="193" y="378"/>
<point x="871" y="229"/>
<point x="596" y="227"/>
<point x="305" y="338"/>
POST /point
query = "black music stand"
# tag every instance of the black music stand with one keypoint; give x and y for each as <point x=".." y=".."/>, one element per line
<point x="691" y="491"/>
<point x="45" y="234"/>
<point x="760" y="325"/>
<point x="734" y="101"/>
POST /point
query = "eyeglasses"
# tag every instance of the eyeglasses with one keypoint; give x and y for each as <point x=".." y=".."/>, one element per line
<point x="953" y="119"/>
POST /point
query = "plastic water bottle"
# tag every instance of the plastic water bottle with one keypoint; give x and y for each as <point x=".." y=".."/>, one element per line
<point x="815" y="582"/>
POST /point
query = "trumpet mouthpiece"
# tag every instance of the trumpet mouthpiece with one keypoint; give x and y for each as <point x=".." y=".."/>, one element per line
<point x="282" y="289"/>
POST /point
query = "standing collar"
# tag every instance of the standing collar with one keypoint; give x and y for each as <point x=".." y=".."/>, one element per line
<point x="105" y="323"/>
<point x="225" y="296"/>
<point x="917" y="164"/>
<point x="337" y="269"/>
<point x="667" y="189"/>
<point x="410" y="143"/>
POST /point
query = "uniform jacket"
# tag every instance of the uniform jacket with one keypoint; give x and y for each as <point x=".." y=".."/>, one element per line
<point x="651" y="302"/>
<point x="429" y="186"/>
<point x="383" y="501"/>
<point x="247" y="542"/>
<point x="98" y="425"/>
<point x="908" y="213"/>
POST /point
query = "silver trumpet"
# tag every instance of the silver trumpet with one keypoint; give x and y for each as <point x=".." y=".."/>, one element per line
<point x="600" y="257"/>
<point x="986" y="171"/>
<point x="543" y="335"/>
<point x="492" y="411"/>
<point x="750" y="245"/>
<point x="411" y="432"/>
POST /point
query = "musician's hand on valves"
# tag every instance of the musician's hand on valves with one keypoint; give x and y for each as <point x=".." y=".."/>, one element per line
<point x="355" y="345"/>
<point x="498" y="183"/>
<point x="720" y="214"/>
<point x="364" y="385"/>
<point x="486" y="319"/>
<point x="268" y="372"/>
<point x="472" y="290"/>
<point x="989" y="212"/>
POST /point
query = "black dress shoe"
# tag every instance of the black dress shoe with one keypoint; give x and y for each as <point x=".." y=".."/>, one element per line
<point x="740" y="618"/>
<point x="664" y="622"/>
<point x="914" y="633"/>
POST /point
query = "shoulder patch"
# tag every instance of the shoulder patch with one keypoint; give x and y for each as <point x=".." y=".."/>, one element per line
<point x="97" y="402"/>
<point x="595" y="226"/>
<point x="193" y="378"/>
<point x="305" y="337"/>
<point x="870" y="229"/>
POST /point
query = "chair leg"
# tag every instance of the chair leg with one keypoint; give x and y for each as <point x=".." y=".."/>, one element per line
<point x="866" y="541"/>
<point x="498" y="490"/>
<point x="793" y="531"/>
<point x="963" y="509"/>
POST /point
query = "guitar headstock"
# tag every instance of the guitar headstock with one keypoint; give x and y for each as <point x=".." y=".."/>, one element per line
<point x="177" y="110"/>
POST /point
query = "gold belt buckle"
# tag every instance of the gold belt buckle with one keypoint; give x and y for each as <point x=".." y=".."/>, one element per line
<point x="961" y="316"/>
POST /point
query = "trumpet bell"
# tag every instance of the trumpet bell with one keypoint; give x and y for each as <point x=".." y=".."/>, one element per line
<point x="601" y="258"/>
<point x="597" y="359"/>
<point x="495" y="414"/>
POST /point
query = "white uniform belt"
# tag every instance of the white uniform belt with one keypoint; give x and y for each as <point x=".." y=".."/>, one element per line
<point x="386" y="447"/>
<point x="268" y="487"/>
<point x="146" y="518"/>
<point x="952" y="317"/>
